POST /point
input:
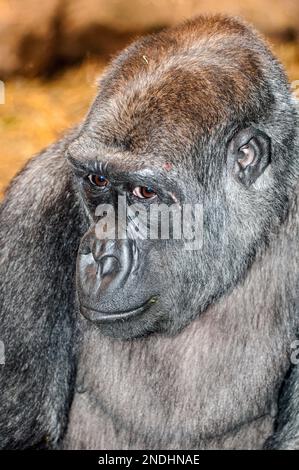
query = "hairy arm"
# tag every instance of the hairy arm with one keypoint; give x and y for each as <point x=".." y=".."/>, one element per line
<point x="40" y="224"/>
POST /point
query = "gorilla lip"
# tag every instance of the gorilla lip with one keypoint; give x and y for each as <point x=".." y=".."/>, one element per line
<point x="99" y="316"/>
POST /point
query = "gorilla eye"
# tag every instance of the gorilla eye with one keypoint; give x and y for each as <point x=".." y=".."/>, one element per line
<point x="98" y="180"/>
<point x="144" y="192"/>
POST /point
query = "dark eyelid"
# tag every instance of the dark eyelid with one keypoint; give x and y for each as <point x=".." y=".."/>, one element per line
<point x="143" y="177"/>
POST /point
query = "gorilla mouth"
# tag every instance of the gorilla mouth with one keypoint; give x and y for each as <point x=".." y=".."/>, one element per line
<point x="101" y="316"/>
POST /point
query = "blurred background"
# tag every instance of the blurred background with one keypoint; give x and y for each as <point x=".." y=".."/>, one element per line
<point x="52" y="51"/>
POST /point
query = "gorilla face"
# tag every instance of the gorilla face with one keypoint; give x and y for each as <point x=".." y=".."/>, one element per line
<point x="192" y="142"/>
<point x="163" y="244"/>
<point x="137" y="258"/>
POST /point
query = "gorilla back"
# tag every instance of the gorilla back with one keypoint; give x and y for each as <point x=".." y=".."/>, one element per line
<point x="133" y="341"/>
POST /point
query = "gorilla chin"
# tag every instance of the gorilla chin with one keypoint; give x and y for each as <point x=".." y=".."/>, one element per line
<point x="127" y="324"/>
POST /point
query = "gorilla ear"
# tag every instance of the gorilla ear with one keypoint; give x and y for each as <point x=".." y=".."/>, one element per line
<point x="249" y="154"/>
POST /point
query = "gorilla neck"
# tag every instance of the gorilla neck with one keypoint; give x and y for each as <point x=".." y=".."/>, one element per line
<point x="213" y="385"/>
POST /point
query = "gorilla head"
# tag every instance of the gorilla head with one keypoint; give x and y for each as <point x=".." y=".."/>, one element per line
<point x="184" y="118"/>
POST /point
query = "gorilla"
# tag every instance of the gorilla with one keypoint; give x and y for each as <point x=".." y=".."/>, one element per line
<point x="131" y="341"/>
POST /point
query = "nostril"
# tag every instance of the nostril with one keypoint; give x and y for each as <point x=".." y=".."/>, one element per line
<point x="100" y="249"/>
<point x="108" y="265"/>
<point x="105" y="264"/>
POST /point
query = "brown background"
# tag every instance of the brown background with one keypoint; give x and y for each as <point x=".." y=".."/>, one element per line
<point x="51" y="52"/>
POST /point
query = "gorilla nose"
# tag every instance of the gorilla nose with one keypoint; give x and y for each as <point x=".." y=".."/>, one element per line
<point x="108" y="265"/>
<point x="103" y="265"/>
